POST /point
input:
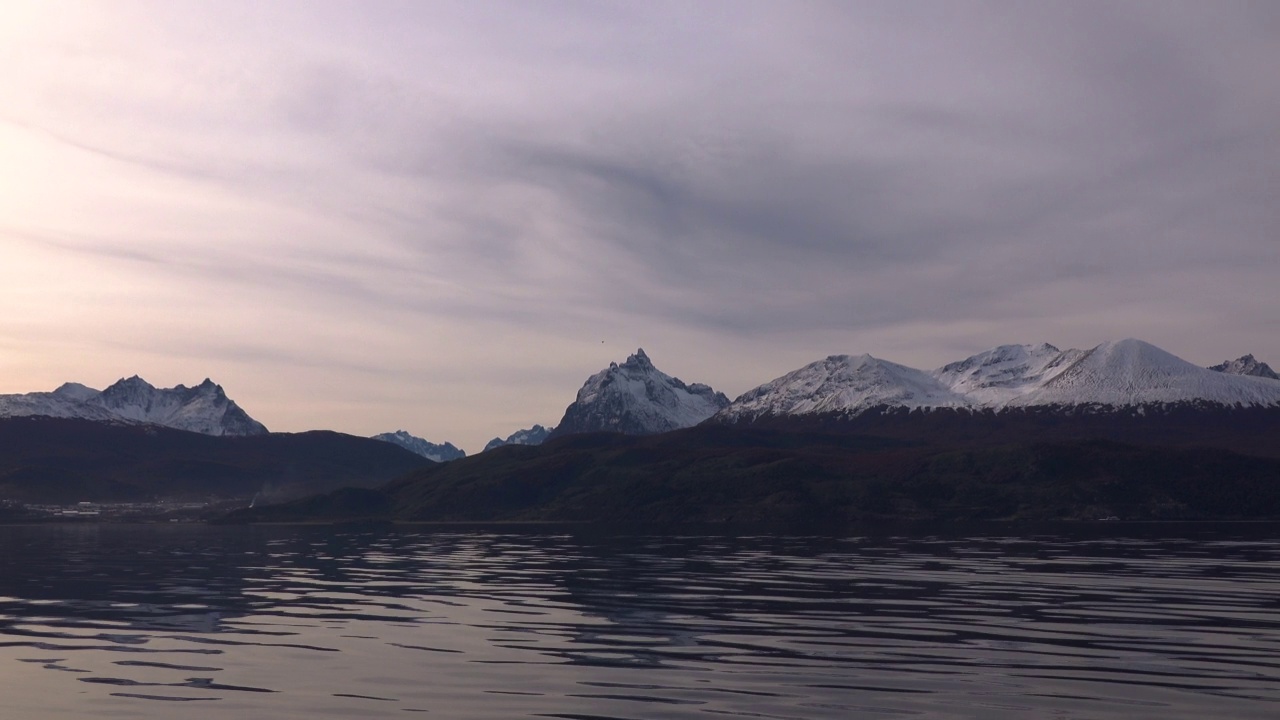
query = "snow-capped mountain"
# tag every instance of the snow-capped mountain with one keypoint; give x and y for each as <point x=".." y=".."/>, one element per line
<point x="636" y="398"/>
<point x="53" y="404"/>
<point x="76" y="392"/>
<point x="1124" y="374"/>
<point x="1131" y="372"/>
<point x="1001" y="374"/>
<point x="429" y="450"/>
<point x="204" y="408"/>
<point x="1246" y="365"/>
<point x="843" y="384"/>
<point x="535" y="435"/>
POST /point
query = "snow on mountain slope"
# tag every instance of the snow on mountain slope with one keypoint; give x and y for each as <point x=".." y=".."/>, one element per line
<point x="1131" y="372"/>
<point x="1246" y="365"/>
<point x="203" y="409"/>
<point x="843" y="384"/>
<point x="1001" y="374"/>
<point x="76" y="392"/>
<point x="1126" y="373"/>
<point x="535" y="435"/>
<point x="52" y="404"/>
<point x="636" y="398"/>
<point x="427" y="449"/>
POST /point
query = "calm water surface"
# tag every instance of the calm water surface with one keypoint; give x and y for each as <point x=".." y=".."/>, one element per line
<point x="162" y="622"/>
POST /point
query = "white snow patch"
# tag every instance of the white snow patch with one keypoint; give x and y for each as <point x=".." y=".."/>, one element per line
<point x="203" y="409"/>
<point x="637" y="397"/>
<point x="845" y="384"/>
<point x="1127" y="373"/>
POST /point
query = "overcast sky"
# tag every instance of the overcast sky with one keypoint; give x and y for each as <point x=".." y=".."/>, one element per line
<point x="443" y="216"/>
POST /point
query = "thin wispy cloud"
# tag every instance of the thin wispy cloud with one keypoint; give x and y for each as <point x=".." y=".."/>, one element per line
<point x="444" y="216"/>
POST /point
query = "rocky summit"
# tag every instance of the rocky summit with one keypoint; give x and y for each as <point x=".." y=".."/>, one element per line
<point x="636" y="398"/>
<point x="204" y="409"/>
<point x="1246" y="365"/>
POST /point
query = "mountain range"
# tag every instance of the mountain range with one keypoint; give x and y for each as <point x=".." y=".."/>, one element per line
<point x="446" y="451"/>
<point x="134" y="442"/>
<point x="1114" y="376"/>
<point x="441" y="452"/>
<point x="535" y="435"/>
<point x="803" y="472"/>
<point x="203" y="409"/>
<point x="850" y="423"/>
<point x="636" y="398"/>
<point x="1029" y="432"/>
<point x="69" y="460"/>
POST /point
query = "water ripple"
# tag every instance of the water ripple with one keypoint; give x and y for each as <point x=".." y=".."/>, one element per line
<point x="308" y="622"/>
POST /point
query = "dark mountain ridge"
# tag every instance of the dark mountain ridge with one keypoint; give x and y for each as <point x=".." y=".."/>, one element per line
<point x="1184" y="464"/>
<point x="1246" y="430"/>
<point x="67" y="460"/>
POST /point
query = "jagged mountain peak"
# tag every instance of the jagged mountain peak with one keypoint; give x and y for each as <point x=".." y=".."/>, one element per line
<point x="442" y="452"/>
<point x="638" y="360"/>
<point x="1246" y="365"/>
<point x="535" y="435"/>
<point x="203" y="409"/>
<point x="636" y="398"/>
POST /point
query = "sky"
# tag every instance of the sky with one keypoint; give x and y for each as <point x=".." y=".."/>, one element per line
<point x="443" y="216"/>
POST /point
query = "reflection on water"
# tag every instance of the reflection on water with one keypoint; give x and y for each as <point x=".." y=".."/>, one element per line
<point x="118" y="621"/>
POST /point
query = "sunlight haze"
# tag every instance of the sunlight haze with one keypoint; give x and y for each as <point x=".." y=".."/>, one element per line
<point x="443" y="217"/>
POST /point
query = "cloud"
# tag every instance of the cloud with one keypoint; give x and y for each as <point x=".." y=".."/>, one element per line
<point x="748" y="184"/>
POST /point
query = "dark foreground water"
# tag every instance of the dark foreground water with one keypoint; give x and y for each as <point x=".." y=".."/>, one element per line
<point x="196" y="622"/>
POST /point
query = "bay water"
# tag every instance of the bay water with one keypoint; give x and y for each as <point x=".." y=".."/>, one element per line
<point x="1108" y="621"/>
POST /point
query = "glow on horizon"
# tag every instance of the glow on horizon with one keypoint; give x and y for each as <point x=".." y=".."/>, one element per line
<point x="444" y="217"/>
